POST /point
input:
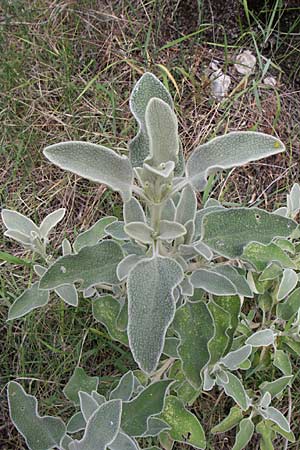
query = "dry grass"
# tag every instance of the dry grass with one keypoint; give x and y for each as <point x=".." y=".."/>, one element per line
<point x="67" y="68"/>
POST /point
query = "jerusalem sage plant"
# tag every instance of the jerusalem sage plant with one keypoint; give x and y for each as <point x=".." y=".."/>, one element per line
<point x="170" y="282"/>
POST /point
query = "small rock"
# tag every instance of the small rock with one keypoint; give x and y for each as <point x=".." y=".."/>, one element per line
<point x="219" y="84"/>
<point x="270" y="81"/>
<point x="246" y="62"/>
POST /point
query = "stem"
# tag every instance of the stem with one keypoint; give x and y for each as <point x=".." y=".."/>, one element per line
<point x="165" y="366"/>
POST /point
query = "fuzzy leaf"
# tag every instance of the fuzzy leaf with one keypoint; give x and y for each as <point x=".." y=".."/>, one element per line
<point x="282" y="362"/>
<point x="80" y="381"/>
<point x="231" y="304"/>
<point x="123" y="442"/>
<point x="155" y="427"/>
<point x="116" y="230"/>
<point x="234" y="359"/>
<point x="171" y="347"/>
<point x="212" y="282"/>
<point x="170" y="230"/>
<point x="231" y="150"/>
<point x="40" y="433"/>
<point x="14" y="221"/>
<point x="51" y="221"/>
<point x="275" y="387"/>
<point x="232" y="420"/>
<point x="149" y="402"/>
<point x="228" y="231"/>
<point x="140" y="231"/>
<point x="126" y="265"/>
<point x="124" y="389"/>
<point x="106" y="311"/>
<point x="290" y="307"/>
<point x="219" y="342"/>
<point x="94" y="162"/>
<point x="93" y="235"/>
<point x="29" y="300"/>
<point x="133" y="211"/>
<point x="92" y="265"/>
<point x="260" y="255"/>
<point x="76" y="423"/>
<point x="162" y="129"/>
<point x="194" y="325"/>
<point x="151" y="308"/>
<point x="185" y="427"/>
<point x="200" y="214"/>
<point x="261" y="338"/>
<point x="236" y="278"/>
<point x="102" y="427"/>
<point x="68" y="293"/>
<point x="271" y="272"/>
<point x="288" y="283"/>
<point x="88" y="405"/>
<point x="186" y="208"/>
<point x="168" y="211"/>
<point x="277" y="417"/>
<point x="19" y="237"/>
<point x="244" y="435"/>
<point x="236" y="390"/>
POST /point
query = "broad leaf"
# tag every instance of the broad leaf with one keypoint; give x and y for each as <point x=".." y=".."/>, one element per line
<point x="238" y="280"/>
<point x="123" y="442"/>
<point x="124" y="389"/>
<point x="288" y="283"/>
<point x="116" y="230"/>
<point x="277" y="417"/>
<point x="277" y="386"/>
<point x="231" y="150"/>
<point x="271" y="272"/>
<point x="261" y="338"/>
<point x="94" y="162"/>
<point x="106" y="310"/>
<point x="102" y="427"/>
<point x="219" y="342"/>
<point x="93" y="235"/>
<point x="200" y="214"/>
<point x="232" y="420"/>
<point x="228" y="231"/>
<point x="68" y="293"/>
<point x="92" y="265"/>
<point x="29" y="300"/>
<point x="186" y="208"/>
<point x="234" y="359"/>
<point x="126" y="265"/>
<point x="149" y="402"/>
<point x="282" y="362"/>
<point x="76" y="423"/>
<point x="51" y="221"/>
<point x="265" y="430"/>
<point x="14" y="221"/>
<point x="133" y="211"/>
<point x="140" y="231"/>
<point x="290" y="307"/>
<point x="260" y="256"/>
<point x="185" y="427"/>
<point x="212" y="282"/>
<point x="155" y="427"/>
<point x="80" y="381"/>
<point x="151" y="308"/>
<point x="88" y="405"/>
<point x="231" y="304"/>
<point x="170" y="230"/>
<point x="40" y="433"/>
<point x="168" y="210"/>
<point x="194" y="325"/>
<point x="236" y="390"/>
<point x="244" y="435"/>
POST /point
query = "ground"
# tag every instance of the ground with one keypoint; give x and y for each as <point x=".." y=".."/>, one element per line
<point x="66" y="71"/>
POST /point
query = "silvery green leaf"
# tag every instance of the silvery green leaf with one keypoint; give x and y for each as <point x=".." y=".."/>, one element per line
<point x="162" y="129"/>
<point x="231" y="150"/>
<point x="147" y="403"/>
<point x="151" y="308"/>
<point x="220" y="340"/>
<point x="203" y="250"/>
<point x="271" y="272"/>
<point x="80" y="381"/>
<point x="231" y="304"/>
<point x="94" y="162"/>
<point x="212" y="282"/>
<point x="232" y="420"/>
<point x="261" y="338"/>
<point x="265" y="400"/>
<point x="65" y="442"/>
<point x="102" y="427"/>
<point x="187" y="206"/>
<point x="123" y="442"/>
<point x="68" y="293"/>
<point x="170" y="230"/>
<point x="29" y="300"/>
<point x="286" y="245"/>
<point x="168" y="211"/>
<point x="124" y="389"/>
<point x="89" y="292"/>
<point x="286" y="310"/>
<point x="51" y="221"/>
<point x="208" y="381"/>
<point x="116" y="230"/>
<point x="106" y="310"/>
<point x="282" y="211"/>
<point x="288" y="283"/>
<point x="133" y="211"/>
<point x="228" y="231"/>
<point x="276" y="387"/>
<point x="185" y="427"/>
<point x="93" y="235"/>
<point x="277" y="417"/>
<point x="40" y="433"/>
<point x="146" y="88"/>
<point x="265" y="429"/>
<point x="212" y="202"/>
<point x="126" y="265"/>
<point x="186" y="287"/>
<point x="88" y="405"/>
<point x="238" y="280"/>
<point x="163" y="170"/>
<point x="91" y="266"/>
<point x="200" y="214"/>
<point x="66" y="247"/>
<point x="100" y="399"/>
<point x="287" y="435"/>
<point x="236" y="390"/>
<point x="19" y="237"/>
<point x="155" y="427"/>
<point x="282" y="361"/>
<point x="139" y="231"/>
<point x="14" y="221"/>
<point x="244" y="435"/>
<point x="190" y="231"/>
<point x="221" y="377"/>
<point x="39" y="270"/>
<point x="76" y="423"/>
<point x="171" y="347"/>
<point x="122" y="319"/>
<point x="132" y="248"/>
<point x="189" y="251"/>
<point x="293" y="200"/>
<point x="260" y="255"/>
<point x="234" y="359"/>
<point x="194" y="325"/>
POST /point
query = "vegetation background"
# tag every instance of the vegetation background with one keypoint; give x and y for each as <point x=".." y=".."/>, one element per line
<point x="66" y="71"/>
